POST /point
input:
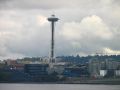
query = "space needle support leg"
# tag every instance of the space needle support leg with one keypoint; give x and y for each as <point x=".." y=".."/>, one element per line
<point x="52" y="43"/>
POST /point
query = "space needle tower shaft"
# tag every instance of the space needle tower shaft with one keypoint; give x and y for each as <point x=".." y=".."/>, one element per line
<point x="52" y="19"/>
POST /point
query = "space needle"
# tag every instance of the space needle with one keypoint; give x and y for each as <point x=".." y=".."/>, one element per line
<point x="52" y="19"/>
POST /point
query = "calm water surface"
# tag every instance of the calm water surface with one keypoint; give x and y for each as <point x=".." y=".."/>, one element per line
<point x="57" y="87"/>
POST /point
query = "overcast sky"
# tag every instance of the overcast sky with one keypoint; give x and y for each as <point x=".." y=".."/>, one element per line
<point x="85" y="27"/>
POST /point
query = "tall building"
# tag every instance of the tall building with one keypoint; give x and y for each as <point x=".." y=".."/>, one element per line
<point x="52" y="19"/>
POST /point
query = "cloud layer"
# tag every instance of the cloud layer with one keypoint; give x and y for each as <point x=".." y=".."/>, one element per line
<point x="85" y="27"/>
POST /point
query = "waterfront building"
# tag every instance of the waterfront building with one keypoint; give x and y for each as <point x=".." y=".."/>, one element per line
<point x="75" y="72"/>
<point x="117" y="73"/>
<point x="112" y="64"/>
<point x="94" y="68"/>
<point x="58" y="67"/>
<point x="103" y="67"/>
<point x="103" y="73"/>
<point x="36" y="70"/>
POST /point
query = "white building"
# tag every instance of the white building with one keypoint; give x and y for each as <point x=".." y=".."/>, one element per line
<point x="117" y="72"/>
<point x="103" y="73"/>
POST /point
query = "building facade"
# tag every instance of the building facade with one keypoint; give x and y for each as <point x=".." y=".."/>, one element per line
<point x="36" y="70"/>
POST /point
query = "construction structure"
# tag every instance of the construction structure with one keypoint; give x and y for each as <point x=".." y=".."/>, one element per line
<point x="52" y="19"/>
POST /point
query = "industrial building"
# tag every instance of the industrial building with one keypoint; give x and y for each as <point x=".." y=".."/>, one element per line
<point x="94" y="68"/>
<point x="76" y="72"/>
<point x="103" y="68"/>
<point x="36" y="70"/>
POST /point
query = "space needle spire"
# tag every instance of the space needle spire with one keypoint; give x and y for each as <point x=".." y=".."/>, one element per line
<point x="52" y="19"/>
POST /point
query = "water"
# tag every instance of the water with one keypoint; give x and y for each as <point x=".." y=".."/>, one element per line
<point x="57" y="87"/>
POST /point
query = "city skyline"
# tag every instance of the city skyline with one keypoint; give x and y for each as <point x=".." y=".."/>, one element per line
<point x="85" y="27"/>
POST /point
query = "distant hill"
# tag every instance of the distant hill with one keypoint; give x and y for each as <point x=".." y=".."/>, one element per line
<point x="78" y="59"/>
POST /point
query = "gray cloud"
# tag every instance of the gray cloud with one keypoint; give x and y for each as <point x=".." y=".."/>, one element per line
<point x="36" y="4"/>
<point x="85" y="27"/>
<point x="53" y="4"/>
